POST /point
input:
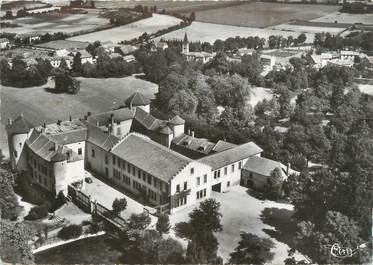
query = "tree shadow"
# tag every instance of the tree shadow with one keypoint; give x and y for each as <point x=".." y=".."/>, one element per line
<point x="283" y="223"/>
<point x="53" y="91"/>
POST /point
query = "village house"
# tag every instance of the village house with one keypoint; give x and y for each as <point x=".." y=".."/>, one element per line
<point x="4" y="43"/>
<point x="30" y="37"/>
<point x="151" y="158"/>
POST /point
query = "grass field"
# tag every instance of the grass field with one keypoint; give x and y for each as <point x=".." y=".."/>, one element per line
<point x="259" y="14"/>
<point x="57" y="23"/>
<point x="130" y="31"/>
<point x="308" y="29"/>
<point x="96" y="95"/>
<point x="208" y="32"/>
<point x="346" y="18"/>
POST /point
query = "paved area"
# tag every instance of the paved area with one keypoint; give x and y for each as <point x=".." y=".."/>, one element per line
<point x="105" y="195"/>
<point x="241" y="212"/>
<point x="73" y="213"/>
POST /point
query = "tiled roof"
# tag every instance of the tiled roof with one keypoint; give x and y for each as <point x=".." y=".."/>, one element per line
<point x="119" y="115"/>
<point x="151" y="157"/>
<point x="100" y="138"/>
<point x="232" y="155"/>
<point x="70" y="137"/>
<point x="165" y="130"/>
<point x="177" y="120"/>
<point x="221" y="146"/>
<point x="137" y="99"/>
<point x="49" y="150"/>
<point x="263" y="166"/>
<point x="147" y="120"/>
<point x="200" y="145"/>
<point x="19" y="125"/>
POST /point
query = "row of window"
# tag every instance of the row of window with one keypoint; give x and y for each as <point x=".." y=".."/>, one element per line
<point x="181" y="201"/>
<point x="204" y="180"/>
<point x="41" y="168"/>
<point x="217" y="172"/>
<point x="185" y="186"/>
<point x="201" y="194"/>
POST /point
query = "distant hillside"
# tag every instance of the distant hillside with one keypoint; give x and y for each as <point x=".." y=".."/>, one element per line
<point x="21" y="4"/>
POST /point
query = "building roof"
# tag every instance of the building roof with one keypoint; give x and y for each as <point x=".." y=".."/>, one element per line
<point x="19" y="125"/>
<point x="137" y="99"/>
<point x="100" y="138"/>
<point x="49" y="150"/>
<point x="127" y="49"/>
<point x="165" y="130"/>
<point x="177" y="120"/>
<point x="263" y="166"/>
<point x="151" y="157"/>
<point x="221" y="146"/>
<point x="70" y="137"/>
<point x="118" y="115"/>
<point x="200" y="145"/>
<point x="148" y="121"/>
<point x="185" y="38"/>
<point x="232" y="155"/>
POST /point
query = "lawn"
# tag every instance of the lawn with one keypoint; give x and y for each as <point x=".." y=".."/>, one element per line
<point x="130" y="31"/>
<point x="259" y="14"/>
<point x="96" y="95"/>
<point x="242" y="212"/>
<point x="67" y="23"/>
<point x="208" y="32"/>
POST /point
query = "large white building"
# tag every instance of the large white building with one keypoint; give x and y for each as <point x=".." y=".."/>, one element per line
<point x="152" y="159"/>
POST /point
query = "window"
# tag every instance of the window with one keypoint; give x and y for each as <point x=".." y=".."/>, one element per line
<point x="205" y="178"/>
<point x="127" y="180"/>
<point x="177" y="188"/>
<point x="106" y="160"/>
<point x="185" y="185"/>
<point x="106" y="172"/>
<point x="39" y="179"/>
<point x="198" y="181"/>
<point x="233" y="168"/>
<point x="118" y="162"/>
<point x="128" y="168"/>
<point x="251" y="175"/>
<point x="79" y="151"/>
<point x="192" y="170"/>
<point x="144" y="176"/>
<point x="15" y="153"/>
<point x="155" y="182"/>
<point x="124" y="165"/>
<point x="225" y="171"/>
<point x="134" y="171"/>
<point x="228" y="183"/>
<point x="45" y="182"/>
<point x="240" y="165"/>
<point x="149" y="179"/>
<point x="118" y="131"/>
<point x="113" y="160"/>
<point x="139" y="173"/>
<point x="152" y="195"/>
<point x="93" y="153"/>
<point x="201" y="194"/>
<point x="217" y="174"/>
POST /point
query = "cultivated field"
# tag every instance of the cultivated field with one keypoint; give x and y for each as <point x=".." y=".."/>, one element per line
<point x="346" y="18"/>
<point x="208" y="32"/>
<point x="132" y="30"/>
<point x="96" y="95"/>
<point x="308" y="29"/>
<point x="258" y="14"/>
<point x="52" y="23"/>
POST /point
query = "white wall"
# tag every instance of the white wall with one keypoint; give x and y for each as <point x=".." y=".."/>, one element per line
<point x="76" y="146"/>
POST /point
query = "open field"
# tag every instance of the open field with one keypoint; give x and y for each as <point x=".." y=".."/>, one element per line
<point x="237" y="218"/>
<point x="346" y="18"/>
<point x="95" y="95"/>
<point x="208" y="32"/>
<point x="309" y="29"/>
<point x="132" y="30"/>
<point x="259" y="14"/>
<point x="52" y="23"/>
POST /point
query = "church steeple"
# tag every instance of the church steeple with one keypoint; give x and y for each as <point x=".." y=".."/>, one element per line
<point x="185" y="46"/>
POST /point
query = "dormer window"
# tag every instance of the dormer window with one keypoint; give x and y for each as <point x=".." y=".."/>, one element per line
<point x="192" y="170"/>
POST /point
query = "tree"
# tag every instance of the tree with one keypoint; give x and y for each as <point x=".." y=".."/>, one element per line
<point x="77" y="64"/>
<point x="139" y="221"/>
<point x="39" y="211"/>
<point x="301" y="38"/>
<point x="119" y="205"/>
<point x="272" y="189"/>
<point x="192" y="16"/>
<point x="252" y="249"/>
<point x="8" y="14"/>
<point x="14" y="238"/>
<point x="64" y="82"/>
<point x="163" y="224"/>
<point x="8" y="199"/>
<point x="183" y="103"/>
<point x="70" y="231"/>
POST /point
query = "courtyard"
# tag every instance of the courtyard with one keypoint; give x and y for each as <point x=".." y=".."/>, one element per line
<point x="241" y="212"/>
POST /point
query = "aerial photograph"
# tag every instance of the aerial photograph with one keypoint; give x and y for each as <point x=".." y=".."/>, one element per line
<point x="186" y="132"/>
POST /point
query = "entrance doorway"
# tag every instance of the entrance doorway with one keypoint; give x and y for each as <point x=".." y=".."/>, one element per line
<point x="217" y="187"/>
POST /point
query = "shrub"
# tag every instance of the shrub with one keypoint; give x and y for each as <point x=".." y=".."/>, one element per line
<point x="38" y="212"/>
<point x="69" y="232"/>
<point x="119" y="205"/>
<point x="58" y="202"/>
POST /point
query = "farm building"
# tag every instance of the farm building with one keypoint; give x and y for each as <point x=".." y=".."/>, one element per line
<point x="131" y="149"/>
<point x="4" y="43"/>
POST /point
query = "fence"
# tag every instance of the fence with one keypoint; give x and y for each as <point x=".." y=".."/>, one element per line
<point x="80" y="199"/>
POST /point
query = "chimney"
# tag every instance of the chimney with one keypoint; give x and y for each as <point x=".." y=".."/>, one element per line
<point x="70" y="119"/>
<point x="193" y="134"/>
<point x="9" y="121"/>
<point x="111" y="118"/>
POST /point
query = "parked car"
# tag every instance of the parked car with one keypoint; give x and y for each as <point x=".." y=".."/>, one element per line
<point x="88" y="180"/>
